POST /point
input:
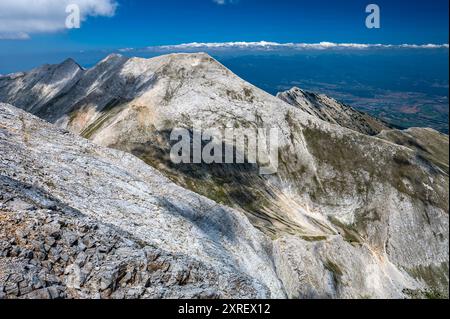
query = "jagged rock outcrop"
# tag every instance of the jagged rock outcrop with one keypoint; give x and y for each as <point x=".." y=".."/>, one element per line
<point x="332" y="111"/>
<point x="350" y="215"/>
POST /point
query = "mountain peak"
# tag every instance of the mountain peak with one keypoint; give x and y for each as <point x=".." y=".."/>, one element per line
<point x="71" y="62"/>
<point x="113" y="57"/>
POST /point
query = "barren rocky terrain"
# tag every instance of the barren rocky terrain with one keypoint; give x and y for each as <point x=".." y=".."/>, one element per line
<point x="356" y="209"/>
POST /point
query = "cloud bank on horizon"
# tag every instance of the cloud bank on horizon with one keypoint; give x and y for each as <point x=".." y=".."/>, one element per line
<point x="265" y="45"/>
<point x="19" y="19"/>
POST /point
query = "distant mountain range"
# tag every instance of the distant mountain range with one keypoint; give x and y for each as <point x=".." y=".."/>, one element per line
<point x="357" y="209"/>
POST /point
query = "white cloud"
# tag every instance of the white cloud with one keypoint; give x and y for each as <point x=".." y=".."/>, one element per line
<point x="275" y="46"/>
<point x="222" y="2"/>
<point x="21" y="18"/>
<point x="264" y="45"/>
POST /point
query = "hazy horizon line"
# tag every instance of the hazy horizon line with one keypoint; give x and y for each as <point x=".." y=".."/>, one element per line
<point x="290" y="45"/>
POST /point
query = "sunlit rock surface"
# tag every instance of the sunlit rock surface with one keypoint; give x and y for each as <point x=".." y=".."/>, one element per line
<point x="348" y="214"/>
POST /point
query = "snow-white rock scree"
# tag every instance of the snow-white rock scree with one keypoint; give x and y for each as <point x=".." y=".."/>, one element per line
<point x="348" y="215"/>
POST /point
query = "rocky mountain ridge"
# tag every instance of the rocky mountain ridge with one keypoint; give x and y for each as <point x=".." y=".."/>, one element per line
<point x="79" y="220"/>
<point x="348" y="215"/>
<point x="332" y="111"/>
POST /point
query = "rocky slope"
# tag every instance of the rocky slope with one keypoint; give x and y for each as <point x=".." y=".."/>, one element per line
<point x="81" y="221"/>
<point x="427" y="143"/>
<point x="34" y="89"/>
<point x="332" y="111"/>
<point x="349" y="215"/>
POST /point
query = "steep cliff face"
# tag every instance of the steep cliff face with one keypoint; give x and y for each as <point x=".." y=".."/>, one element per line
<point x="350" y="215"/>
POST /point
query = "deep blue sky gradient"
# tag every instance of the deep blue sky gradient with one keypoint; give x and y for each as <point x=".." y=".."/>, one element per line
<point x="140" y="23"/>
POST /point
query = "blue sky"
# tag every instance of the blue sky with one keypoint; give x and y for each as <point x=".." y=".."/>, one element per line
<point x="140" y="23"/>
